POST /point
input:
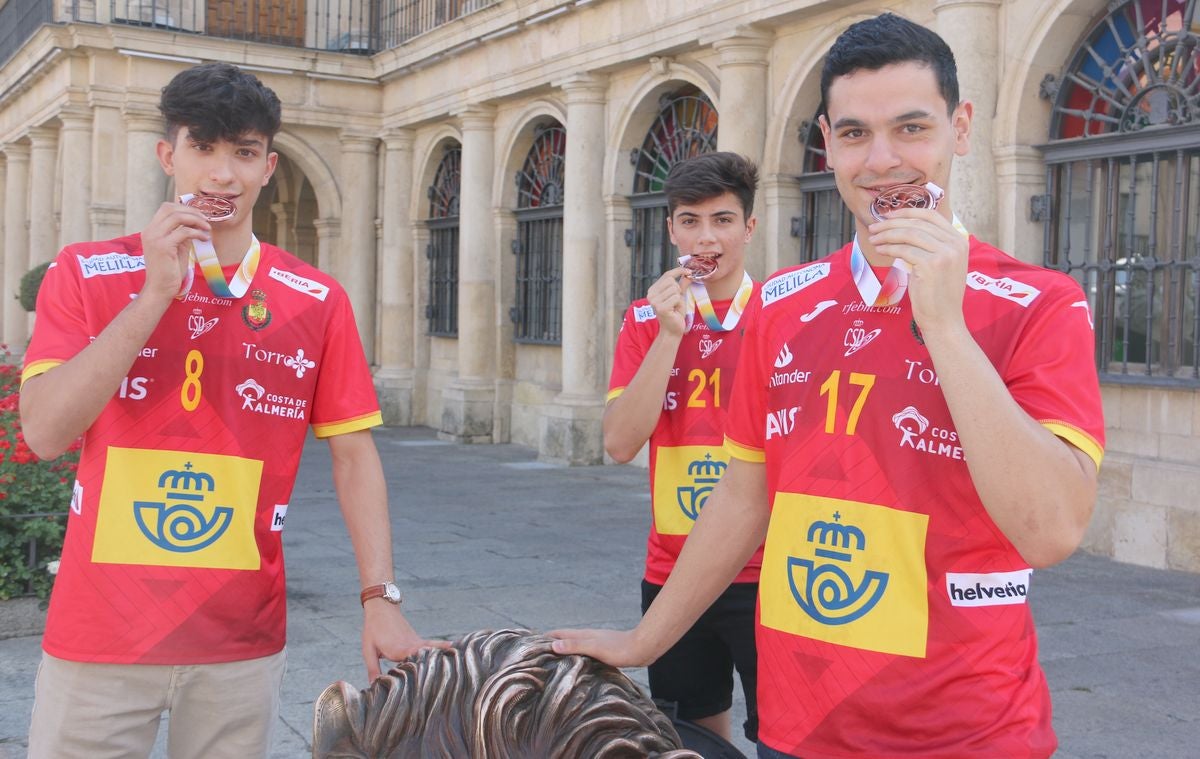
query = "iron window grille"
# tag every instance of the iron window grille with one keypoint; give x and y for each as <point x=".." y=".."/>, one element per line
<point x="1121" y="212"/>
<point x="537" y="315"/>
<point x="686" y="126"/>
<point x="441" y="313"/>
<point x="824" y="223"/>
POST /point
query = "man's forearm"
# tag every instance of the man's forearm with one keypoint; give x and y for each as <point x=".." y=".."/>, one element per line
<point x="631" y="417"/>
<point x="732" y="525"/>
<point x="59" y="405"/>
<point x="362" y="495"/>
<point x="1038" y="489"/>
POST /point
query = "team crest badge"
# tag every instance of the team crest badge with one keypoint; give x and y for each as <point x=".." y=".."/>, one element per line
<point x="255" y="314"/>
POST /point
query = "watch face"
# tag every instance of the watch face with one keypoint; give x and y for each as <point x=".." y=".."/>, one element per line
<point x="391" y="592"/>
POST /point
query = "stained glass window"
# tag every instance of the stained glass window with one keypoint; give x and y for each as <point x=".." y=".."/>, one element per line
<point x="537" y="316"/>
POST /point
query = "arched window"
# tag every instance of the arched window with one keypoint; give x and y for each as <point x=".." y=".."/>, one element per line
<point x="1122" y="209"/>
<point x="686" y="126"/>
<point x="539" y="245"/>
<point x="442" y="251"/>
<point x="824" y="223"/>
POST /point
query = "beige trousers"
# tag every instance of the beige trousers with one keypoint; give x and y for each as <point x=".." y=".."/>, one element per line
<point x="111" y="711"/>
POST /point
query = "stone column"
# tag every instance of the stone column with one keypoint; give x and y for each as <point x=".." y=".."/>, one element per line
<point x="329" y="231"/>
<point x="3" y="192"/>
<point x="43" y="229"/>
<point x="1020" y="175"/>
<point x="283" y="226"/>
<point x="467" y="402"/>
<point x="355" y="266"/>
<point x="16" y="241"/>
<point x="108" y="186"/>
<point x="742" y="109"/>
<point x="570" y="429"/>
<point x="145" y="182"/>
<point x="76" y="139"/>
<point x="972" y="29"/>
<point x="394" y="378"/>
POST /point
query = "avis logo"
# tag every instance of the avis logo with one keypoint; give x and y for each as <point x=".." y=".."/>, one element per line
<point x="822" y="586"/>
<point x="176" y="523"/>
<point x="708" y="346"/>
<point x="705" y="474"/>
<point x="857" y="338"/>
<point x="781" y="423"/>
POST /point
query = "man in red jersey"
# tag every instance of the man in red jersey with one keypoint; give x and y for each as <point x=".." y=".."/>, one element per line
<point x="916" y="424"/>
<point x="193" y="359"/>
<point x="672" y="372"/>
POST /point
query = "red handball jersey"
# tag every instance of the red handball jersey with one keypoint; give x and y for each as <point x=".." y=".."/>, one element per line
<point x="173" y="549"/>
<point x="687" y="455"/>
<point x="893" y="615"/>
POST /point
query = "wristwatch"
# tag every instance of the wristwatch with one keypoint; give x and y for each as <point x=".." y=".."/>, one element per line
<point x="385" y="590"/>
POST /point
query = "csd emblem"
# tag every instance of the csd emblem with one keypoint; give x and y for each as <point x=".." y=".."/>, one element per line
<point x="175" y="523"/>
<point x="705" y="474"/>
<point x="824" y="589"/>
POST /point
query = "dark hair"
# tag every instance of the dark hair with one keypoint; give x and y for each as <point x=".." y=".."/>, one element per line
<point x="884" y="40"/>
<point x="217" y="101"/>
<point x="709" y="175"/>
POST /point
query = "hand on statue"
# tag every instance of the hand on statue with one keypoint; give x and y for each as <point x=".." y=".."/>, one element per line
<point x="388" y="635"/>
<point x="936" y="254"/>
<point x="619" y="648"/>
<point x="668" y="298"/>
<point x="167" y="245"/>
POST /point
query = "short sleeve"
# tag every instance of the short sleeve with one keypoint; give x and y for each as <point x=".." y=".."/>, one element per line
<point x="632" y="343"/>
<point x="1052" y="373"/>
<point x="745" y="428"/>
<point x="60" y="330"/>
<point x="345" y="399"/>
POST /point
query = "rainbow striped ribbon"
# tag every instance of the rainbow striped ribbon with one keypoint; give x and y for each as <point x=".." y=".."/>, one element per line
<point x="697" y="300"/>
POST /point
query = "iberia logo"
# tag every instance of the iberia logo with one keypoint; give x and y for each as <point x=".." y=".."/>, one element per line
<point x="847" y="573"/>
<point x="255" y="314"/>
<point x="176" y="508"/>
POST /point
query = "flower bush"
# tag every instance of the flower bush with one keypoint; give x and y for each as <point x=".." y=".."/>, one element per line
<point x="34" y="497"/>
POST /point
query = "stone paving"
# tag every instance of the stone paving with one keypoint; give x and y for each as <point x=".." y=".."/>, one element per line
<point x="488" y="537"/>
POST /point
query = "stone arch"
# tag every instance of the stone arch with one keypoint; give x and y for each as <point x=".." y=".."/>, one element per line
<point x="429" y="163"/>
<point x="516" y="143"/>
<point x="802" y="94"/>
<point x="639" y="111"/>
<point x="1023" y="118"/>
<point x="320" y="176"/>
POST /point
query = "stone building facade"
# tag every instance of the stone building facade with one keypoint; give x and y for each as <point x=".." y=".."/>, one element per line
<point x="484" y="177"/>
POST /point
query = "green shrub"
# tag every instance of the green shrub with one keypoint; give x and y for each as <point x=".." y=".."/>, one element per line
<point x="31" y="282"/>
<point x="34" y="495"/>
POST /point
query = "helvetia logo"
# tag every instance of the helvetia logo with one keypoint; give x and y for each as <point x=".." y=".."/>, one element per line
<point x="705" y="474"/>
<point x="990" y="589"/>
<point x="176" y="523"/>
<point x="823" y="587"/>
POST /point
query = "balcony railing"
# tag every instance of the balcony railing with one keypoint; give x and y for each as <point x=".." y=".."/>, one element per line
<point x="349" y="26"/>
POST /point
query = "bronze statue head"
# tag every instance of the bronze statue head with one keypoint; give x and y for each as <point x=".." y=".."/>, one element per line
<point x="495" y="695"/>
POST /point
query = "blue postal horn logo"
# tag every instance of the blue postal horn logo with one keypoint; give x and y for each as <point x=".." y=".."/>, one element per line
<point x="175" y="523"/>
<point x="705" y="474"/>
<point x="825" y="590"/>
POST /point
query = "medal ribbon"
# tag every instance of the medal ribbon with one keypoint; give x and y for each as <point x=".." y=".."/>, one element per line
<point x="205" y="254"/>
<point x="893" y="287"/>
<point x="697" y="299"/>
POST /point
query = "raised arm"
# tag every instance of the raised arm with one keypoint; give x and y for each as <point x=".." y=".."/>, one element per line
<point x="630" y="418"/>
<point x="60" y="404"/>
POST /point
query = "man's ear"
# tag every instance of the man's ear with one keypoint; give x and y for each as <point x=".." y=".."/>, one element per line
<point x="272" y="162"/>
<point x="826" y="131"/>
<point x="166" y="156"/>
<point x="961" y="120"/>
